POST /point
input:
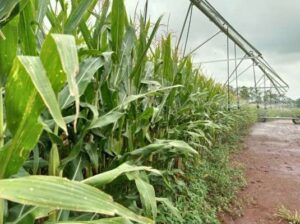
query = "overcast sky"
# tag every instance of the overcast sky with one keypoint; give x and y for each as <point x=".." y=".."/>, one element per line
<point x="272" y="26"/>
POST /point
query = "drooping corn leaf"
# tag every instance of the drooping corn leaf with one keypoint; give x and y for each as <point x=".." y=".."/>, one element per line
<point x="28" y="92"/>
<point x="60" y="59"/>
<point x="109" y="176"/>
<point x="23" y="104"/>
<point x="60" y="193"/>
<point x="107" y="119"/>
<point x="147" y="195"/>
<point x="99" y="221"/>
<point x="37" y="73"/>
<point x="6" y="8"/>
<point x="132" y="98"/>
<point x="86" y="72"/>
<point x="165" y="146"/>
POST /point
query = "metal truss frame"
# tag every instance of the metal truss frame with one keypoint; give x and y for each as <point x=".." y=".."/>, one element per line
<point x="276" y="82"/>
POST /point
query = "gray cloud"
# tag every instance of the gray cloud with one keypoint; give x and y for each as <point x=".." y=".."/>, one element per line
<point x="270" y="25"/>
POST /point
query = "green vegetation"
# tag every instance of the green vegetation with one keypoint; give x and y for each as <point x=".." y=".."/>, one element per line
<point x="99" y="125"/>
<point x="288" y="215"/>
<point x="281" y="112"/>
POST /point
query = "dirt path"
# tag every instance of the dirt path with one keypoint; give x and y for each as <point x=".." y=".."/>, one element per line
<point x="272" y="162"/>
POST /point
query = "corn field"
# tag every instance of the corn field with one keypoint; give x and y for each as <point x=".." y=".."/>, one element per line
<point x="98" y="121"/>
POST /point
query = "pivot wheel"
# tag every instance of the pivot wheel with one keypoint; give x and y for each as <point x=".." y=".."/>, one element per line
<point x="296" y="120"/>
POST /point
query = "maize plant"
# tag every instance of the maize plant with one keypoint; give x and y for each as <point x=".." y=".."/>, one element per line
<point x="93" y="114"/>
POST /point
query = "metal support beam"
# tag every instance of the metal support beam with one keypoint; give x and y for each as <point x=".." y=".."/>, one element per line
<point x="207" y="9"/>
<point x="183" y="26"/>
<point x="205" y="42"/>
<point x="235" y="69"/>
<point x="255" y="86"/>
<point x="243" y="72"/>
<point x="236" y="79"/>
<point x="228" y="74"/>
<point x="223" y="60"/>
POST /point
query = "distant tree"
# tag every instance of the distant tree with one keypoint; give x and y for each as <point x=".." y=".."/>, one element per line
<point x="244" y="93"/>
<point x="297" y="102"/>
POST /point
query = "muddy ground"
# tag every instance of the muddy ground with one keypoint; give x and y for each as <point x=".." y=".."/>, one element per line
<point x="272" y="163"/>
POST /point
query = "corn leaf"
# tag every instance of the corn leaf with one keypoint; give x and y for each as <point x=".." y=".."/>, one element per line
<point x="168" y="72"/>
<point x="118" y="23"/>
<point x="100" y="221"/>
<point x="42" y="10"/>
<point x="107" y="119"/>
<point x="109" y="176"/>
<point x="60" y="59"/>
<point x="100" y="21"/>
<point x="6" y="7"/>
<point x="87" y="70"/>
<point x="147" y="194"/>
<point x="27" y="35"/>
<point x="60" y="193"/>
<point x="27" y="81"/>
<point x="165" y="146"/>
<point x="132" y="98"/>
<point x="8" y="48"/>
<point x="37" y="73"/>
<point x="76" y="15"/>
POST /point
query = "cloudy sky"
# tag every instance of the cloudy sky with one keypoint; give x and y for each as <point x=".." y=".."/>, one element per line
<point x="272" y="26"/>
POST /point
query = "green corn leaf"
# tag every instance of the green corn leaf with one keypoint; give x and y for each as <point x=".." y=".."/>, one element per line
<point x="109" y="176"/>
<point x="42" y="10"/>
<point x="107" y="119"/>
<point x="60" y="193"/>
<point x="168" y="72"/>
<point x="165" y="146"/>
<point x="8" y="48"/>
<point x="27" y="81"/>
<point x="100" y="22"/>
<point x="147" y="194"/>
<point x="54" y="161"/>
<point x="99" y="221"/>
<point x="60" y="59"/>
<point x="125" y="56"/>
<point x="87" y="70"/>
<point x="56" y="26"/>
<point x="22" y="115"/>
<point x="136" y="68"/>
<point x="132" y="98"/>
<point x="76" y="15"/>
<point x="118" y="23"/>
<point x="26" y="31"/>
<point x="37" y="73"/>
<point x="6" y="8"/>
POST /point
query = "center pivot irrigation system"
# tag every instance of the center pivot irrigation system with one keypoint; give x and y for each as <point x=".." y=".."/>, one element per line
<point x="269" y="75"/>
<point x="250" y="51"/>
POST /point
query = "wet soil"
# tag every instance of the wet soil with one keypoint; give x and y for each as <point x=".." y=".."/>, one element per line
<point x="272" y="164"/>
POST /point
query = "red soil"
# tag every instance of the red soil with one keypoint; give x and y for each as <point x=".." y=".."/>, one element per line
<point x="272" y="162"/>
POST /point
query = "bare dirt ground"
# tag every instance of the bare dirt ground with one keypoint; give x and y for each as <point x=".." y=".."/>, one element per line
<point x="272" y="162"/>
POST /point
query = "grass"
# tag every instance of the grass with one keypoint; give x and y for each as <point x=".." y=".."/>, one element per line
<point x="293" y="217"/>
<point x="280" y="112"/>
<point x="210" y="185"/>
